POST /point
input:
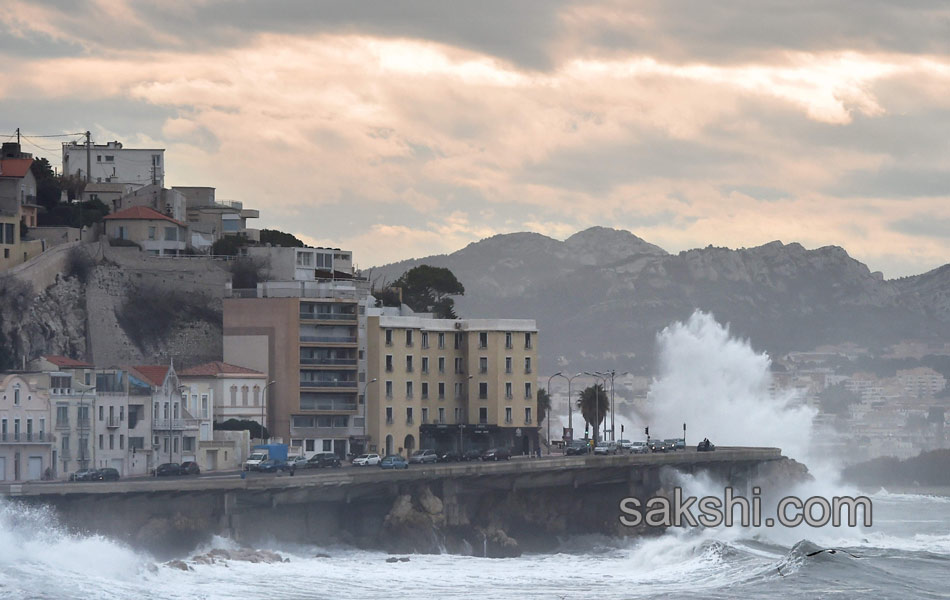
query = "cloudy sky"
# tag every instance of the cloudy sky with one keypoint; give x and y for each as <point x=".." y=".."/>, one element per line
<point x="400" y="129"/>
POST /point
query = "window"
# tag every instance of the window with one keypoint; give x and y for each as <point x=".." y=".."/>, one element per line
<point x="409" y="364"/>
<point x="507" y="364"/>
<point x="171" y="235"/>
<point x="101" y="437"/>
<point x="458" y="366"/>
<point x="98" y="158"/>
<point x="458" y="415"/>
<point x="110" y="158"/>
<point x="204" y="405"/>
<point x="527" y="364"/>
<point x="310" y="445"/>
<point x="408" y="415"/>
<point x="408" y="338"/>
<point x="527" y="391"/>
<point x="425" y="415"/>
<point x="441" y="415"/>
<point x="121" y="442"/>
<point x="527" y="341"/>
<point x="482" y="390"/>
<point x="425" y="364"/>
<point x="389" y="363"/>
<point x="151" y="233"/>
<point x="111" y="441"/>
<point x="508" y="341"/>
<point x="174" y="444"/>
<point x="508" y="394"/>
<point x="458" y="391"/>
<point x="340" y="421"/>
<point x="100" y="412"/>
<point x="188" y="444"/>
<point x="233" y="395"/>
<point x="389" y="389"/>
<point x="508" y="415"/>
<point x="441" y="364"/>
<point x="16" y="395"/>
<point x="483" y="339"/>
<point x="441" y="340"/>
<point x="389" y="337"/>
<point x="327" y="445"/>
<point x="483" y="364"/>
<point x="425" y="390"/>
<point x="527" y="415"/>
<point x="408" y="390"/>
<point x="483" y="415"/>
<point x="121" y="413"/>
<point x="244" y="391"/>
<point x="425" y="339"/>
<point x="441" y="390"/>
<point x="458" y="341"/>
<point x="389" y="415"/>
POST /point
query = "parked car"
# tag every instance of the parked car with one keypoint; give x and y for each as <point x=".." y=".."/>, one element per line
<point x="624" y="444"/>
<point x="673" y="444"/>
<point x="472" y="455"/>
<point x="423" y="456"/>
<point x="705" y="446"/>
<point x="366" y="460"/>
<point x="298" y="462"/>
<point x="83" y="475"/>
<point x="639" y="448"/>
<point x="106" y="474"/>
<point x="190" y="467"/>
<point x="496" y="454"/>
<point x="450" y="457"/>
<point x="393" y="461"/>
<point x="605" y="448"/>
<point x="168" y="469"/>
<point x="681" y="444"/>
<point x="273" y="465"/>
<point x="657" y="446"/>
<point x="576" y="448"/>
<point x="325" y="459"/>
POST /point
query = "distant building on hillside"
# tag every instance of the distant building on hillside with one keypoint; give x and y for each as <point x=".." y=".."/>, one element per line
<point x="17" y="205"/>
<point x="114" y="163"/>
<point x="154" y="232"/>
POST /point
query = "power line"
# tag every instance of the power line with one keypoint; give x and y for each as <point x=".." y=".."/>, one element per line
<point x="57" y="135"/>
<point x="32" y="143"/>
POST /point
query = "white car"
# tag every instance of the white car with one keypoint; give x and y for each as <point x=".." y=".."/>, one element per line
<point x="366" y="460"/>
<point x="298" y="462"/>
<point x="639" y="448"/>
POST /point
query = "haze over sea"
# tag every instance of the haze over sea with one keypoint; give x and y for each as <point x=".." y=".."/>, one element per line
<point x="719" y="382"/>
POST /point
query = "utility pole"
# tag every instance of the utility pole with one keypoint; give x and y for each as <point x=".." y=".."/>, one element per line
<point x="18" y="138"/>
<point x="88" y="168"/>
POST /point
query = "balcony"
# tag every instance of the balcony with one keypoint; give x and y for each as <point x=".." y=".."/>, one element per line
<point x="328" y="339"/>
<point x="64" y="424"/>
<point x="40" y="437"/>
<point x="336" y="362"/>
<point x="329" y="405"/>
<point x="527" y="370"/>
<point x="389" y="421"/>
<point x="175" y="424"/>
<point x="328" y="384"/>
<point x="328" y="316"/>
<point x="113" y="422"/>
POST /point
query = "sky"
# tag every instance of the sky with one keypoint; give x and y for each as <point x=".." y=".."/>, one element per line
<point x="400" y="129"/>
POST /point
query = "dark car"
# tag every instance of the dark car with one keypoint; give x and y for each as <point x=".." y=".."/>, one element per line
<point x="657" y="446"/>
<point x="83" y="475"/>
<point x="472" y="455"/>
<point x="168" y="469"/>
<point x="450" y="457"/>
<point x="705" y="446"/>
<point x="190" y="468"/>
<point x="423" y="457"/>
<point x="576" y="448"/>
<point x="393" y="461"/>
<point x="273" y="465"/>
<point x="496" y="454"/>
<point x="325" y="459"/>
<point x="106" y="474"/>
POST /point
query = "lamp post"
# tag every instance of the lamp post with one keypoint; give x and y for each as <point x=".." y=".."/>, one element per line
<point x="263" y="405"/>
<point x="548" y="416"/>
<point x="82" y="447"/>
<point x="612" y="373"/>
<point x="365" y="410"/>
<point x="570" y="399"/>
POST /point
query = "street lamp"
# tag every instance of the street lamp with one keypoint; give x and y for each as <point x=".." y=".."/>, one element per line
<point x="548" y="416"/>
<point x="570" y="399"/>
<point x="264" y="404"/>
<point x="365" y="409"/>
<point x="612" y="373"/>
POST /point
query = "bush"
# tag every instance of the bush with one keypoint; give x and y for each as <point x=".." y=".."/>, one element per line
<point x="124" y="243"/>
<point x="15" y="294"/>
<point x="79" y="264"/>
<point x="245" y="273"/>
<point x="229" y="245"/>
<point x="243" y="425"/>
<point x="149" y="313"/>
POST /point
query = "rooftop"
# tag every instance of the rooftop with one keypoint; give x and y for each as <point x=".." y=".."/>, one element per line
<point x="142" y="213"/>
<point x="64" y="362"/>
<point x="213" y="369"/>
<point x="151" y="374"/>
<point x="15" y="167"/>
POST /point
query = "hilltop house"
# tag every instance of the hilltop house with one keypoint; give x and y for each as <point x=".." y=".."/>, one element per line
<point x="17" y="204"/>
<point x="154" y="232"/>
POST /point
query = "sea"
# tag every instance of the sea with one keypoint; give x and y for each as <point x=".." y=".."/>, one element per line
<point x="707" y="378"/>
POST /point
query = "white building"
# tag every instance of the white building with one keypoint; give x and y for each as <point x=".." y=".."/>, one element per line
<point x="113" y="163"/>
<point x="26" y="442"/>
<point x="174" y="430"/>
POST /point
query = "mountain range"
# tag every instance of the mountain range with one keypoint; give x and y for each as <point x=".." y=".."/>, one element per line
<point x="601" y="296"/>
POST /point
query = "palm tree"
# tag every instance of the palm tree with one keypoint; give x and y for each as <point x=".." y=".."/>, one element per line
<point x="593" y="404"/>
<point x="544" y="405"/>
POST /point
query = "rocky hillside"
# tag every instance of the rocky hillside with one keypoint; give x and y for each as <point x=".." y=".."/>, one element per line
<point x="601" y="296"/>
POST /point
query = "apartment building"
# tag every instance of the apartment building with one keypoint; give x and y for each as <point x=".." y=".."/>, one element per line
<point x="306" y="341"/>
<point x="450" y="384"/>
<point x="71" y="385"/>
<point x="26" y="442"/>
<point x="114" y="163"/>
<point x="17" y="204"/>
<point x="216" y="218"/>
<point x="174" y="430"/>
<point x="122" y="424"/>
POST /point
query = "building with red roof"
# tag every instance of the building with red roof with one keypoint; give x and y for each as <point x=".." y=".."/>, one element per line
<point x="152" y="231"/>
<point x="222" y="391"/>
<point x="17" y="204"/>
